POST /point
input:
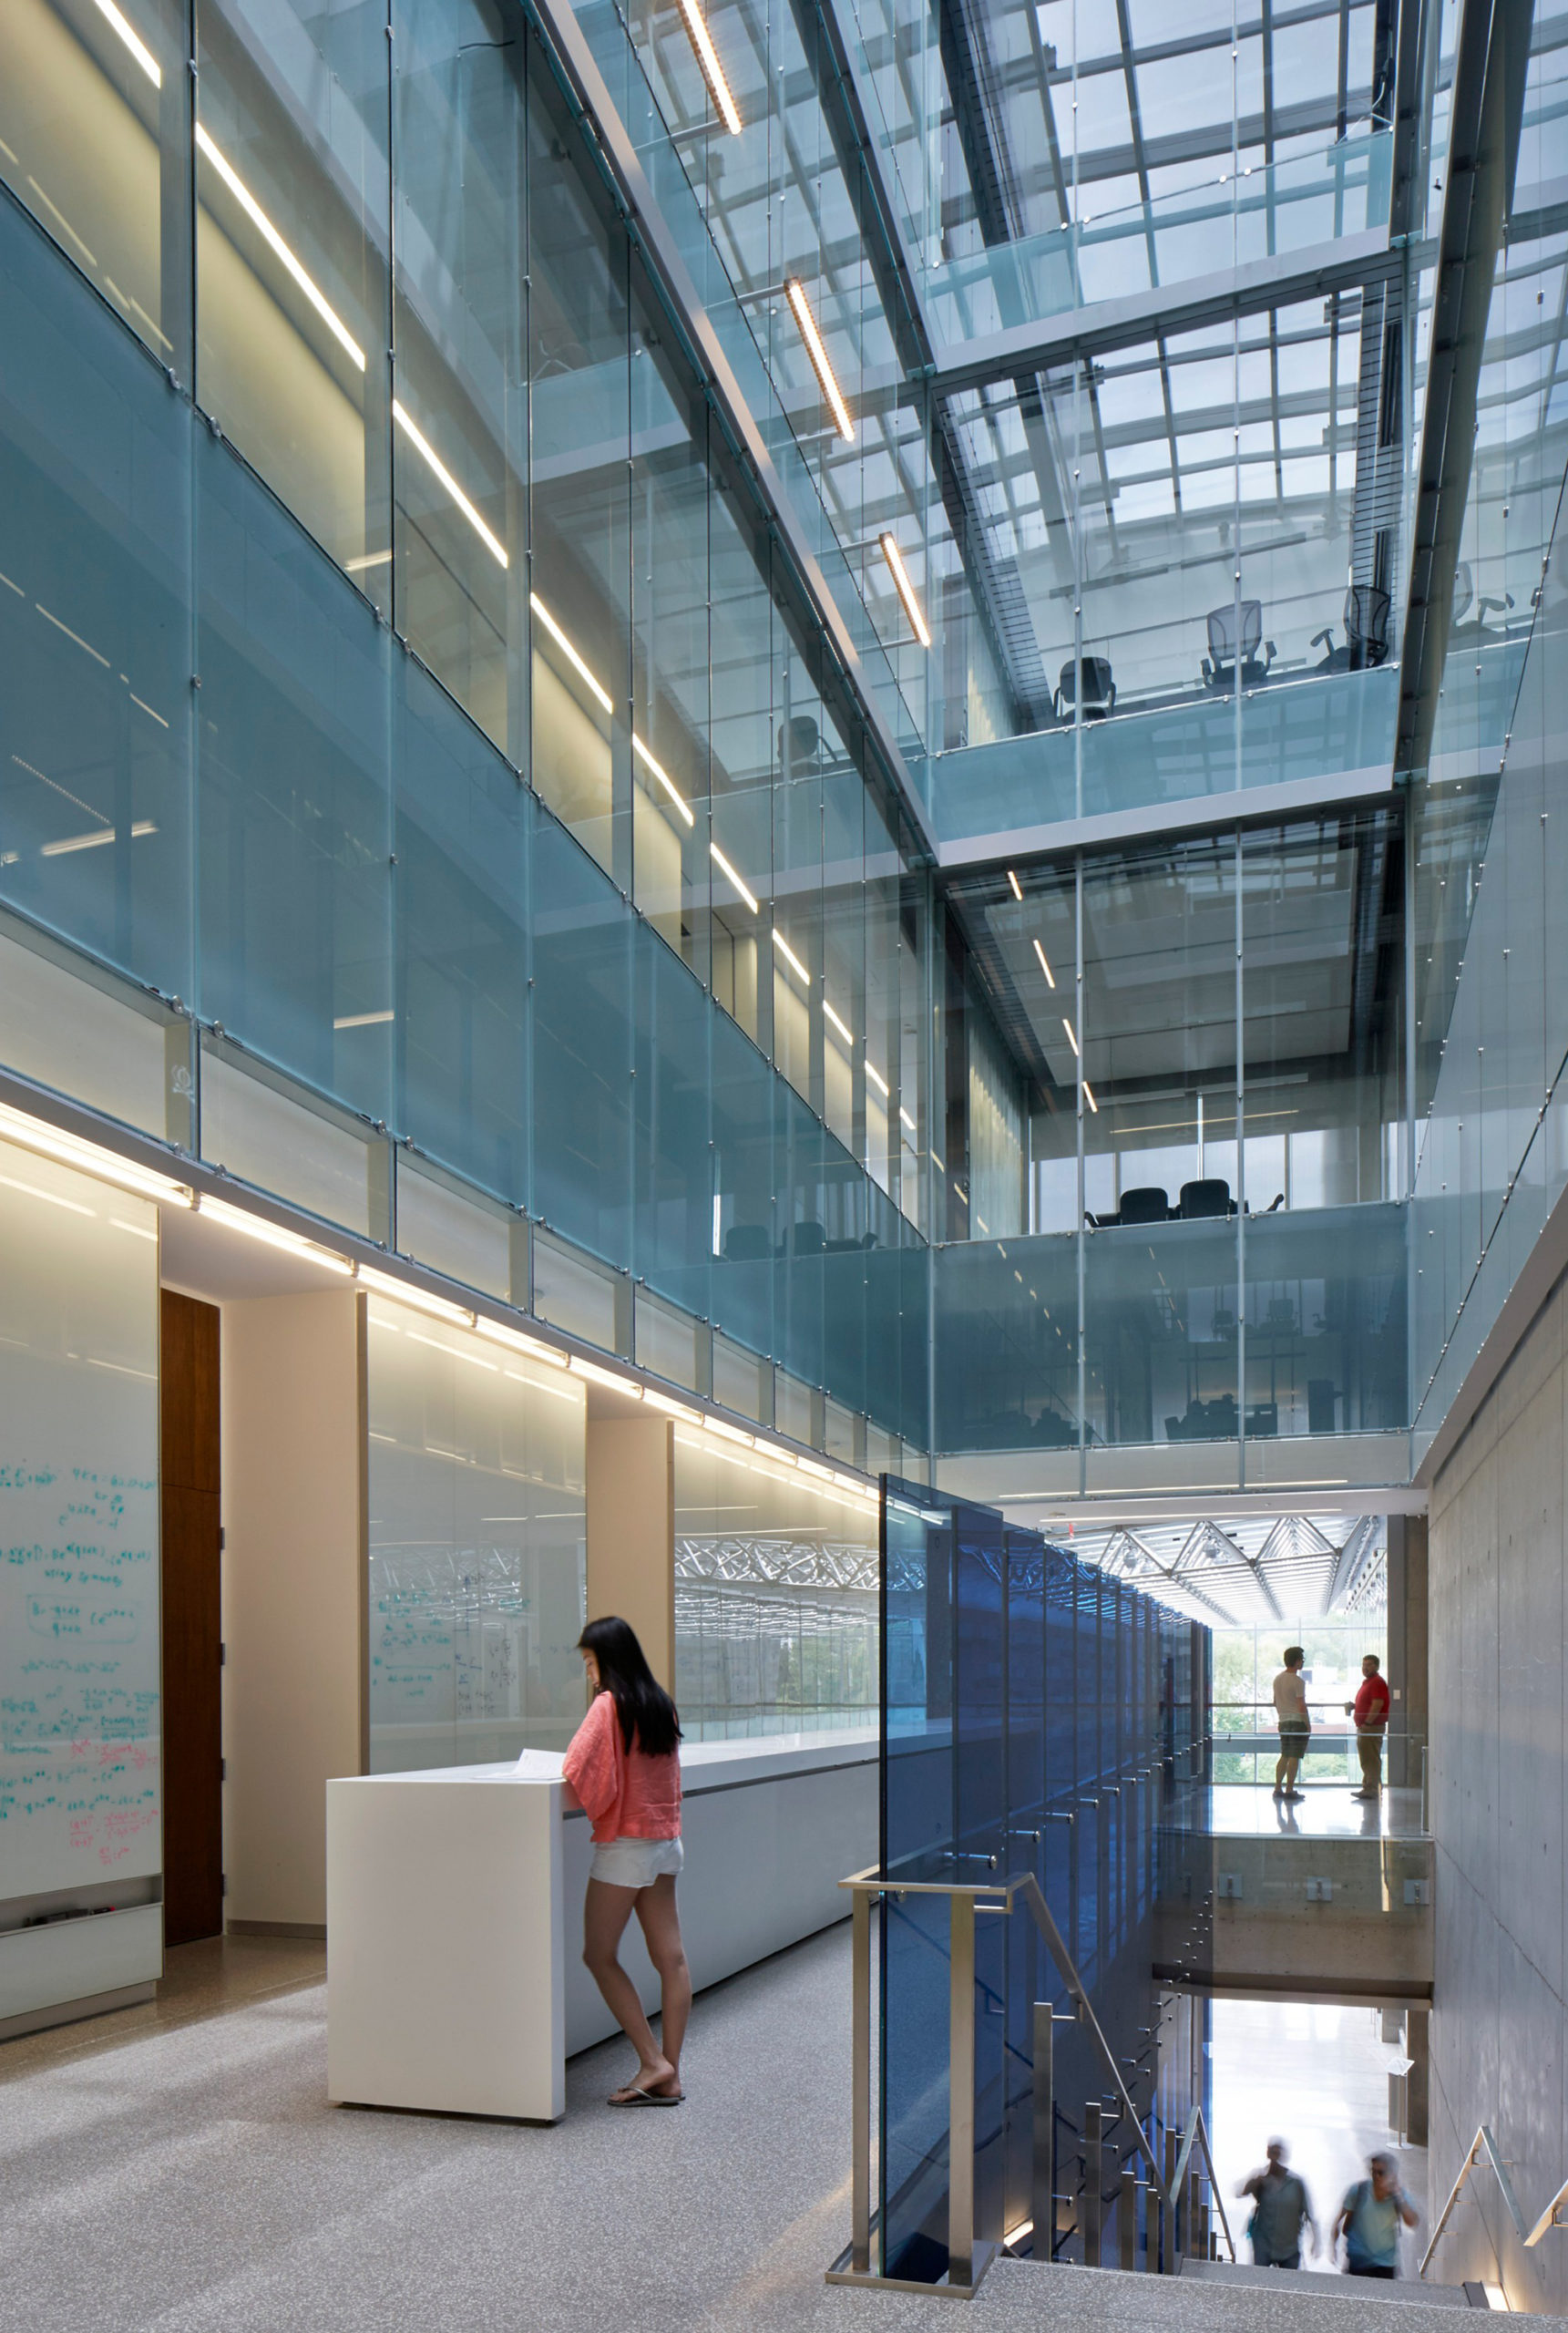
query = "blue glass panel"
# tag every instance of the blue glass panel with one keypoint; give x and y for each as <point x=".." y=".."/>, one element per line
<point x="95" y="668"/>
<point x="744" y="1125"/>
<point x="803" y="1149"/>
<point x="1007" y="1358"/>
<point x="583" y="1026"/>
<point x="672" y="1230"/>
<point x="1326" y="1320"/>
<point x="295" y="810"/>
<point x="462" y="943"/>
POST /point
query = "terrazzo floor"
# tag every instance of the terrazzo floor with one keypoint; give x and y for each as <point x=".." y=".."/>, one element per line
<point x="178" y="2167"/>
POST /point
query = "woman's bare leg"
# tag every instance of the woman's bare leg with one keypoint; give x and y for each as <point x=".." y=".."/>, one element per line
<point x="662" y="1932"/>
<point x="605" y="1915"/>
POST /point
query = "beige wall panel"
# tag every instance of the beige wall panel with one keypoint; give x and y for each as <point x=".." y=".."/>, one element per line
<point x="631" y="1531"/>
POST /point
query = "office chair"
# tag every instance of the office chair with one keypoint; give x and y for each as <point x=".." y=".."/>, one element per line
<point x="1098" y="689"/>
<point x="1366" y="633"/>
<point x="1220" y="663"/>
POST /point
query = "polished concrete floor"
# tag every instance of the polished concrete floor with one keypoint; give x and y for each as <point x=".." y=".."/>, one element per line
<point x="178" y="2168"/>
<point x="1324" y="1811"/>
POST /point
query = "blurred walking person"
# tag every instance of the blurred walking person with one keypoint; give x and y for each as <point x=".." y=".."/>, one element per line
<point x="1295" y="1721"/>
<point x="1370" y="1711"/>
<point x="1281" y="2208"/>
<point x="1370" y="2219"/>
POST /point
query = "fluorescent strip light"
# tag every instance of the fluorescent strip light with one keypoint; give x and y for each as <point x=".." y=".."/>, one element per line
<point x="567" y="650"/>
<point x="813" y="1468"/>
<point x="900" y="573"/>
<point x="137" y="46"/>
<point x="438" y="468"/>
<point x="1045" y="968"/>
<point x="89" y="1159"/>
<point x="794" y="293"/>
<point x="724" y="867"/>
<point x="269" y="235"/>
<point x="847" y="1034"/>
<point x="665" y="780"/>
<point x="363" y="1019"/>
<point x="1017" y="887"/>
<point x="95" y="841"/>
<point x="515" y="1341"/>
<point x="607" y="1377"/>
<point x="1071" y="1038"/>
<point x="1089" y="1097"/>
<point x="403" y="1291"/>
<point x="712" y="71"/>
<point x="791" y="959"/>
<point x="273" y="1235"/>
<point x="879" y="1081"/>
<point x="455" y="1352"/>
<point x="728" y="1432"/>
<point x="671" y="1409"/>
<point x="908" y="1120"/>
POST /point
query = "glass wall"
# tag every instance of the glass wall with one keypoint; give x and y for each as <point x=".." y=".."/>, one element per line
<point x="651" y="1001"/>
<point x="1039" y="1717"/>
<point x="477" y="1538"/>
<point x="776" y="1581"/>
<point x="1210" y="1038"/>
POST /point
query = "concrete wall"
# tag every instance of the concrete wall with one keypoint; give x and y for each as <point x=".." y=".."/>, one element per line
<point x="1497" y="1723"/>
<point x="293" y="1594"/>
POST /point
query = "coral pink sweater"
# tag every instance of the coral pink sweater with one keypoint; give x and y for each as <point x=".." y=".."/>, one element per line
<point x="624" y="1797"/>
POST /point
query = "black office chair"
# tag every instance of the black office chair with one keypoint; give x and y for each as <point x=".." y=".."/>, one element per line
<point x="1366" y="633"/>
<point x="1092" y="673"/>
<point x="1203" y="1200"/>
<point x="747" y="1243"/>
<point x="1148" y="1203"/>
<point x="1220" y="663"/>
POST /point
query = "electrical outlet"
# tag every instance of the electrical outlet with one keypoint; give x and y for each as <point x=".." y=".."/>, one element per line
<point x="1227" y="1887"/>
<point x="1320" y="1891"/>
<point x="1417" y="1891"/>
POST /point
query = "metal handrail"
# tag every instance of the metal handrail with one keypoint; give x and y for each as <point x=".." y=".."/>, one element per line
<point x="965" y="1898"/>
<point x="1484" y="2143"/>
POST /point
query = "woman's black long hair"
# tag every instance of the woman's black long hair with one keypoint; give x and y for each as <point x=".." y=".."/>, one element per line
<point x="647" y="1713"/>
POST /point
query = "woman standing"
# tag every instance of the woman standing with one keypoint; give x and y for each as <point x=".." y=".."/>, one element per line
<point x="624" y="1765"/>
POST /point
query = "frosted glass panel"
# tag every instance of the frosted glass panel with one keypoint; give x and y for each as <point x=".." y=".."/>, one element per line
<point x="79" y="1728"/>
<point x="265" y="1138"/>
<point x="477" y="1548"/>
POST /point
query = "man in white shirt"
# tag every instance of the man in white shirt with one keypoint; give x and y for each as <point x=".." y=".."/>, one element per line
<point x="1295" y="1724"/>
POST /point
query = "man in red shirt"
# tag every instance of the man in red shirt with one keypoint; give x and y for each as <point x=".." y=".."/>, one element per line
<point x="1370" y="1711"/>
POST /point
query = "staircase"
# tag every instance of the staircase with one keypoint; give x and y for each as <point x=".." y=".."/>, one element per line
<point x="1208" y="2297"/>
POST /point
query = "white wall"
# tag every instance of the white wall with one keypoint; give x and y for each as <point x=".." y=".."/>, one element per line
<point x="1497" y="1720"/>
<point x="294" y="1593"/>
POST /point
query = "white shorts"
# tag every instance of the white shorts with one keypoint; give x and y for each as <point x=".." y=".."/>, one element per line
<point x="636" y="1863"/>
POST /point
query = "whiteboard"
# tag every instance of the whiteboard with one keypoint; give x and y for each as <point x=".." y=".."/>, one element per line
<point x="79" y="1639"/>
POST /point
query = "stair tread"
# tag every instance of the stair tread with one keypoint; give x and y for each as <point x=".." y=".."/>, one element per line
<point x="1215" y="2299"/>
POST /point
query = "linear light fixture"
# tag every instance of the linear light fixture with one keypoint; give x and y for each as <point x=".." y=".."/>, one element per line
<point x="270" y="237"/>
<point x="1017" y="887"/>
<point x="95" y="841"/>
<point x="1089" y="1097"/>
<point x="273" y="1235"/>
<point x="665" y="780"/>
<point x="440" y="472"/>
<point x="794" y="293"/>
<point x="568" y="651"/>
<point x="901" y="574"/>
<point x="403" y="1291"/>
<point x="875" y="1075"/>
<point x="1072" y="1040"/>
<point x="712" y="71"/>
<point x="908" y="1120"/>
<point x="71" y="1150"/>
<point x="728" y="872"/>
<point x="791" y="959"/>
<point x="671" y="1409"/>
<point x="133" y="41"/>
<point x="515" y="1341"/>
<point x="828" y="1013"/>
<point x="728" y="1432"/>
<point x="363" y="1019"/>
<point x="1045" y="968"/>
<point x="606" y="1377"/>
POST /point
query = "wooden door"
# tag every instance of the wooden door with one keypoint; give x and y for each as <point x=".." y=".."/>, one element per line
<point x="192" y="1624"/>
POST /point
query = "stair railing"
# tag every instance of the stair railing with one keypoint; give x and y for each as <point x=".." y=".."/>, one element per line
<point x="1484" y="2144"/>
<point x="968" y="2255"/>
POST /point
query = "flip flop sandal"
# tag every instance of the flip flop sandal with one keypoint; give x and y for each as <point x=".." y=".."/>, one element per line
<point x="632" y="2096"/>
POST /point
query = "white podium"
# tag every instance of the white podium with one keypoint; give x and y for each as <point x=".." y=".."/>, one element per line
<point x="455" y="1975"/>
